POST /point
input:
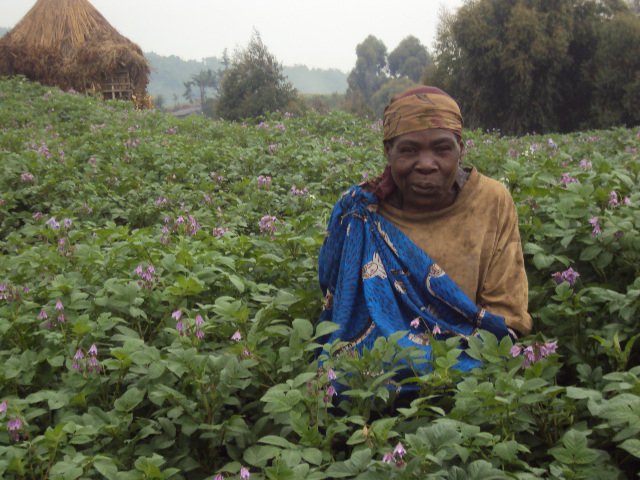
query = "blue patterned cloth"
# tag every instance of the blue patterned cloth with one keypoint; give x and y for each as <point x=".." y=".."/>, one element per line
<point x="377" y="282"/>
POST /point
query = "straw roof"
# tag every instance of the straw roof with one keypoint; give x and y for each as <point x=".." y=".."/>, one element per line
<point x="70" y="44"/>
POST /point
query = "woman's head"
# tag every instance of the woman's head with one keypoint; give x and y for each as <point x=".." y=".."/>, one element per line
<point x="423" y="145"/>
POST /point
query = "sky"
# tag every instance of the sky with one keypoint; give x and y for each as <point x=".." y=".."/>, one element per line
<point x="320" y="34"/>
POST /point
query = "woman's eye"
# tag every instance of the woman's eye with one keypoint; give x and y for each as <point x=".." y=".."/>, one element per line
<point x="405" y="150"/>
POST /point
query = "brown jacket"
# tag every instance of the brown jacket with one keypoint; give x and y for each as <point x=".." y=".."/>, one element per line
<point x="477" y="242"/>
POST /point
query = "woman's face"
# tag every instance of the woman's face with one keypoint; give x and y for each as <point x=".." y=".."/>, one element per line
<point x="424" y="166"/>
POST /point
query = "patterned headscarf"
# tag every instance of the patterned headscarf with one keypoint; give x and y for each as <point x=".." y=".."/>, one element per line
<point x="421" y="108"/>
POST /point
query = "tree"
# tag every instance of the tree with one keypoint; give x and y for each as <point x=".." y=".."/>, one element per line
<point x="523" y="65"/>
<point x="617" y="77"/>
<point x="202" y="80"/>
<point x="253" y="84"/>
<point x="159" y="102"/>
<point x="409" y="59"/>
<point x="391" y="87"/>
<point x="370" y="71"/>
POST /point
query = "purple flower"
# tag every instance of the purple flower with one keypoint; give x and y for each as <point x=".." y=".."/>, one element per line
<point x="171" y="130"/>
<point x="199" y="320"/>
<point x="470" y="143"/>
<point x="331" y="374"/>
<point x="595" y="224"/>
<point x="552" y="144"/>
<point x="331" y="392"/>
<point x="388" y="458"/>
<point x="3" y="406"/>
<point x="219" y="231"/>
<point x="43" y="315"/>
<point x="59" y="306"/>
<point x="26" y="177"/>
<point x="569" y="275"/>
<point x="585" y="164"/>
<point x="244" y="473"/>
<point x="236" y="337"/>
<point x="14" y="426"/>
<point x="548" y="348"/>
<point x="139" y="270"/>
<point x="52" y="222"/>
<point x="264" y="181"/>
<point x="177" y="315"/>
<point x="180" y="327"/>
<point x="199" y="334"/>
<point x="535" y="352"/>
<point x="626" y="201"/>
<point x="399" y="451"/>
<point x="567" y="179"/>
<point x="415" y="323"/>
<point x="61" y="318"/>
<point x="436" y="330"/>
<point x="268" y="224"/>
<point x="613" y="199"/>
<point x="93" y="350"/>
<point x="529" y="356"/>
<point x="299" y="193"/>
<point x="79" y="355"/>
<point x="37" y="216"/>
<point x="219" y="477"/>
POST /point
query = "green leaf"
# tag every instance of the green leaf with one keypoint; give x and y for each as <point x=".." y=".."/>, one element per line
<point x="277" y="441"/>
<point x="631" y="445"/>
<point x="312" y="455"/>
<point x="107" y="468"/>
<point x="258" y="455"/>
<point x="129" y="400"/>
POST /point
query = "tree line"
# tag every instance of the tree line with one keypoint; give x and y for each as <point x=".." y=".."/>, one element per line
<point x="517" y="66"/>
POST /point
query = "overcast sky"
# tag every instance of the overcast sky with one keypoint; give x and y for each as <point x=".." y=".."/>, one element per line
<point x="321" y="34"/>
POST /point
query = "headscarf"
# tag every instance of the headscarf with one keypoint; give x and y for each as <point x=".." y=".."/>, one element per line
<point x="421" y="108"/>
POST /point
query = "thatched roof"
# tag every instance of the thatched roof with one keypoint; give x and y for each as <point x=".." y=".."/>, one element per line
<point x="70" y="44"/>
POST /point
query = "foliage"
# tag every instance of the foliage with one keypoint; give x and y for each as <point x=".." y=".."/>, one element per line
<point x="409" y="59"/>
<point x="370" y="71"/>
<point x="168" y="74"/>
<point x="529" y="65"/>
<point x="378" y="76"/>
<point x="158" y="306"/>
<point x="203" y="80"/>
<point x="254" y="84"/>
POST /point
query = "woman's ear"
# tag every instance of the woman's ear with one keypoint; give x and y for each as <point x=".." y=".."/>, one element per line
<point x="387" y="148"/>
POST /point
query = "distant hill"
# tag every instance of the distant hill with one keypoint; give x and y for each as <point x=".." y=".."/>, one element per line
<point x="168" y="75"/>
<point x="3" y="31"/>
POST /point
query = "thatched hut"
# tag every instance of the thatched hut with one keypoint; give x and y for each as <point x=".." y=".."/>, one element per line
<point x="68" y="43"/>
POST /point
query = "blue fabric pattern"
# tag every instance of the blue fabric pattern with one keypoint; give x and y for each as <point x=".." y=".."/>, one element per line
<point x="376" y="282"/>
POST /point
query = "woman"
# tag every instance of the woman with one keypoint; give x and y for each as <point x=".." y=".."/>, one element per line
<point x="390" y="241"/>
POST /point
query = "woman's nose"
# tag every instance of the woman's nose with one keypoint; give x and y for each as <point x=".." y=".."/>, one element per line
<point x="426" y="162"/>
